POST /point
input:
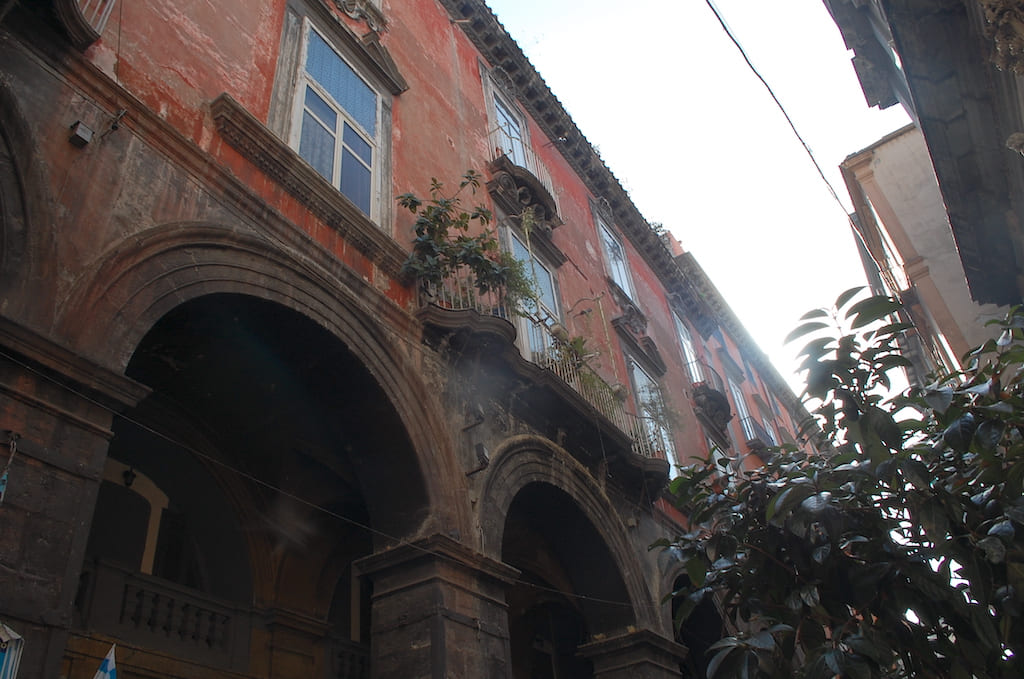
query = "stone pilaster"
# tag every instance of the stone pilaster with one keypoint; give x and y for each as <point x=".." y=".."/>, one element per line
<point x="58" y="409"/>
<point x="438" y="611"/>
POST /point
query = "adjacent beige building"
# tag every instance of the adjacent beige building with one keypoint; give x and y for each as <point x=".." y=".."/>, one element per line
<point x="909" y="250"/>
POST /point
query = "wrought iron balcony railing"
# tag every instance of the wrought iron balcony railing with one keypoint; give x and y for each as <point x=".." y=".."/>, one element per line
<point x="755" y="431"/>
<point x="83" y="20"/>
<point x="459" y="293"/>
<point x="702" y="373"/>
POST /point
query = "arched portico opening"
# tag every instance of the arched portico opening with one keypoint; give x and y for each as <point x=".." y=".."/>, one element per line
<point x="569" y="590"/>
<point x="702" y="628"/>
<point x="274" y="461"/>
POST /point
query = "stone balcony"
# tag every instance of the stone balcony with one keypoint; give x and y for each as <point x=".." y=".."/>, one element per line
<point x="457" y="307"/>
<point x="709" y="400"/>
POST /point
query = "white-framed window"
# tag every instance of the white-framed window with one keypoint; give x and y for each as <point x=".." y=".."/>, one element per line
<point x="742" y="412"/>
<point x="545" y="308"/>
<point x="615" y="257"/>
<point x="336" y="127"/>
<point x="770" y="432"/>
<point x="690" y="358"/>
<point x="653" y="414"/>
<point x="510" y="131"/>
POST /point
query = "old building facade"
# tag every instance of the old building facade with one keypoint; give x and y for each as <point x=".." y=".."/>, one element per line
<point x="902" y="224"/>
<point x="241" y="443"/>
<point x="957" y="67"/>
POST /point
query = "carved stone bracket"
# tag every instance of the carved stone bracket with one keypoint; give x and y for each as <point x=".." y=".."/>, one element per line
<point x="642" y="347"/>
<point x="1004" y="21"/>
<point x="516" y="189"/>
<point x="632" y="318"/>
<point x="712" y="406"/>
<point x="366" y="11"/>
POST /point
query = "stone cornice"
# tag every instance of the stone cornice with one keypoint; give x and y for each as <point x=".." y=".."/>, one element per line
<point x="275" y="158"/>
<point x="67" y="368"/>
<point x="501" y="51"/>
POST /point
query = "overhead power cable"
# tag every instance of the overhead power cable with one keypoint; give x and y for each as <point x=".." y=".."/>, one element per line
<point x="785" y="114"/>
<point x="810" y="154"/>
<point x="256" y="480"/>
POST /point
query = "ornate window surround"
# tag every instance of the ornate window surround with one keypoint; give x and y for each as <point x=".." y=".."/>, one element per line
<point x="367" y="57"/>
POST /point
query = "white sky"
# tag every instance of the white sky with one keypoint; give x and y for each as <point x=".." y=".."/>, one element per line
<point x="695" y="138"/>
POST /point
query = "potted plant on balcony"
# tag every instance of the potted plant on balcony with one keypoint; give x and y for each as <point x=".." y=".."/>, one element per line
<point x="444" y="249"/>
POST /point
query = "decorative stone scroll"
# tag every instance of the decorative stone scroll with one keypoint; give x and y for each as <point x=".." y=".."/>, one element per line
<point x="1004" y="25"/>
<point x="365" y="11"/>
<point x="516" y="189"/>
<point x="632" y="318"/>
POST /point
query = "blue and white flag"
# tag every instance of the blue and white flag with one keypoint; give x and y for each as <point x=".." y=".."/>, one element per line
<point x="10" y="652"/>
<point x="107" y="669"/>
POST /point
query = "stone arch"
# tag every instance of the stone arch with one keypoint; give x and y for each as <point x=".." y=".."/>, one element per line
<point x="521" y="461"/>
<point x="23" y="194"/>
<point x="126" y="292"/>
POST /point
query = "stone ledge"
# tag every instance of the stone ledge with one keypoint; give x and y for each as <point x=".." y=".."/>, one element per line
<point x="247" y="135"/>
<point x="68" y="369"/>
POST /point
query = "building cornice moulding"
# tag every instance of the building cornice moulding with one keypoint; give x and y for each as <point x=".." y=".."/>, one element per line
<point x="482" y="27"/>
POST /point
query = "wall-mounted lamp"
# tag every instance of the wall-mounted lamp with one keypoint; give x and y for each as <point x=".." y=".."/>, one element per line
<point x="81" y="134"/>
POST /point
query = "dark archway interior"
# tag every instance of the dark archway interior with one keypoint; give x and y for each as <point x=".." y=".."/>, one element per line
<point x="261" y="428"/>
<point x="570" y="586"/>
<point x="698" y="632"/>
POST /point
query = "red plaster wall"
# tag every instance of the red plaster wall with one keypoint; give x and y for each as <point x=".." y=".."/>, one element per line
<point x="178" y="55"/>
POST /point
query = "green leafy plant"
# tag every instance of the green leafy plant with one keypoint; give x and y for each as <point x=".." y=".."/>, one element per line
<point x="450" y="239"/>
<point x="894" y="553"/>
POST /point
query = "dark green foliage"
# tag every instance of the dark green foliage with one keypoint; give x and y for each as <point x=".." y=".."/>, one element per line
<point x="443" y="245"/>
<point x="897" y="553"/>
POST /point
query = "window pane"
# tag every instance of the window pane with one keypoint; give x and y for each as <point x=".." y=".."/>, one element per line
<point x="321" y="109"/>
<point x="355" y="181"/>
<point x="357" y="144"/>
<point x="317" y="146"/>
<point x="341" y="82"/>
<point x="510" y="133"/>
<point x="686" y="340"/>
<point x="537" y="270"/>
<point x="616" y="258"/>
<point x="652" y="411"/>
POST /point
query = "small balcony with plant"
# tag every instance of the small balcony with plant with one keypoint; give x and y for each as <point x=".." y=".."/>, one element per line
<point x="474" y="296"/>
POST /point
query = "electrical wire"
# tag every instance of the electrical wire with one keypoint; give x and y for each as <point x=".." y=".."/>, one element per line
<point x="785" y="114"/>
<point x="398" y="542"/>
